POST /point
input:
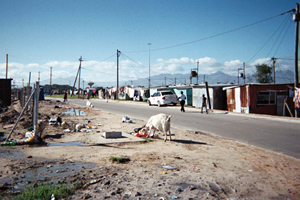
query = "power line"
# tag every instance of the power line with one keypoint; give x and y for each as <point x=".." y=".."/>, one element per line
<point x="213" y="36"/>
<point x="265" y="43"/>
<point x="283" y="38"/>
<point x="279" y="36"/>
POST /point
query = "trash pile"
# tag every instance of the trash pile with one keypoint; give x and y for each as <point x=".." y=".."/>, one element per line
<point x="126" y="119"/>
<point x="80" y="128"/>
<point x="139" y="132"/>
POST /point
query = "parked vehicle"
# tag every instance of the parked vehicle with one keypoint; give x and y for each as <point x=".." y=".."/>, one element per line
<point x="162" y="98"/>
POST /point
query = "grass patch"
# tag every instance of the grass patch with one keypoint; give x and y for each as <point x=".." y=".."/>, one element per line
<point x="146" y="140"/>
<point x="122" y="159"/>
<point x="45" y="191"/>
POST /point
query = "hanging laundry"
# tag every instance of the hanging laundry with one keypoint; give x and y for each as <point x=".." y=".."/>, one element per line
<point x="297" y="97"/>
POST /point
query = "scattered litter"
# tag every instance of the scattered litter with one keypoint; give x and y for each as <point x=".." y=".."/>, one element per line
<point x="9" y="143"/>
<point x="136" y="130"/>
<point x="92" y="127"/>
<point x="164" y="172"/>
<point x="67" y="130"/>
<point x="169" y="167"/>
<point x="79" y="126"/>
<point x="214" y="164"/>
<point x="139" y="135"/>
<point x="29" y="136"/>
<point x="126" y="119"/>
<point x="8" y="126"/>
<point x="174" y="197"/>
<point x="177" y="157"/>
<point x="65" y="124"/>
<point x="55" y="121"/>
<point x="52" y="197"/>
<point x="250" y="170"/>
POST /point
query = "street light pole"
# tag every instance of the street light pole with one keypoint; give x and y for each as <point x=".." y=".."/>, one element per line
<point x="149" y="66"/>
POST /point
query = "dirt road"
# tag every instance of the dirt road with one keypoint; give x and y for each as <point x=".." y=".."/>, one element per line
<point x="191" y="166"/>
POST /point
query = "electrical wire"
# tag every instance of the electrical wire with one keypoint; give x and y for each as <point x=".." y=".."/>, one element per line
<point x="282" y="38"/>
<point x="265" y="43"/>
<point x="279" y="36"/>
<point x="125" y="56"/>
<point x="213" y="36"/>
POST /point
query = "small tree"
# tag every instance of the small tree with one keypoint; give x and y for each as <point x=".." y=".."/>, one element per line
<point x="263" y="73"/>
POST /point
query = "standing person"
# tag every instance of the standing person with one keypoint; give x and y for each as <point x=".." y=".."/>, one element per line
<point x="65" y="96"/>
<point x="182" y="101"/>
<point x="106" y="95"/>
<point x="204" y="104"/>
<point x="88" y="96"/>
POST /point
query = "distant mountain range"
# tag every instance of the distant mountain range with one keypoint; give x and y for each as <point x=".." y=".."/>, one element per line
<point x="180" y="79"/>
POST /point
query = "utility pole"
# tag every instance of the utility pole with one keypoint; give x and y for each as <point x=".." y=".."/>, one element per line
<point x="39" y="76"/>
<point x="6" y="66"/>
<point x="296" y="19"/>
<point x="149" y="66"/>
<point x="204" y="78"/>
<point x="175" y="81"/>
<point x="50" y="91"/>
<point x="197" y="71"/>
<point x="244" y="66"/>
<point x="76" y="77"/>
<point x="165" y="81"/>
<point x="274" y="61"/>
<point x="118" y="54"/>
<point x="80" y="60"/>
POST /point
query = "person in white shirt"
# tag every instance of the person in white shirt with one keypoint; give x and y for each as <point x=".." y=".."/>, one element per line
<point x="182" y="101"/>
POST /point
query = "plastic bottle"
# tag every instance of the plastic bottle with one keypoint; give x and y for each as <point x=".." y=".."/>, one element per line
<point x="5" y="143"/>
<point x="12" y="143"/>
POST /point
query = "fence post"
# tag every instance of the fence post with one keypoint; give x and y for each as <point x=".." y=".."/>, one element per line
<point x="36" y="108"/>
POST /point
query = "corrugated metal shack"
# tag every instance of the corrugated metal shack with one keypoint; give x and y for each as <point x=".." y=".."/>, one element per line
<point x="216" y="93"/>
<point x="259" y="98"/>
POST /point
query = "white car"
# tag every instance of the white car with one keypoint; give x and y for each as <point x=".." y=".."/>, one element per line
<point x="162" y="98"/>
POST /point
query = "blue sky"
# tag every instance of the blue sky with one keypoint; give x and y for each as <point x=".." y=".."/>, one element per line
<point x="39" y="34"/>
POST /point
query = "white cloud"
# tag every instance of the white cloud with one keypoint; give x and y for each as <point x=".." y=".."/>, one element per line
<point x="96" y="71"/>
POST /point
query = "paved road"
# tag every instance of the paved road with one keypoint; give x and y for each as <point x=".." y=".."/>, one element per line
<point x="277" y="134"/>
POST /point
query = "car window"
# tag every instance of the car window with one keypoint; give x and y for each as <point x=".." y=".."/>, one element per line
<point x="158" y="94"/>
<point x="167" y="93"/>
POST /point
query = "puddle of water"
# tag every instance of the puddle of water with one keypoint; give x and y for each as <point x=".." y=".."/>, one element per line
<point x="13" y="155"/>
<point x="75" y="112"/>
<point x="51" y="173"/>
<point x="66" y="144"/>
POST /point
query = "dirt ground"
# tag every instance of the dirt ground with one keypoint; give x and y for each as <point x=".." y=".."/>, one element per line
<point x="193" y="165"/>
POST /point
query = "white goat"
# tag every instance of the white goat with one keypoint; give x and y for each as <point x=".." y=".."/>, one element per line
<point x="159" y="122"/>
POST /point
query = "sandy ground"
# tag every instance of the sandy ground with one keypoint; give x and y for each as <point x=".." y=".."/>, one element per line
<point x="191" y="166"/>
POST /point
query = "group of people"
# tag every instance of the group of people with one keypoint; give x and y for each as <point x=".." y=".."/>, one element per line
<point x="182" y="102"/>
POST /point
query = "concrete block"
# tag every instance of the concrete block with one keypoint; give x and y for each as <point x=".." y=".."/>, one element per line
<point x="112" y="134"/>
